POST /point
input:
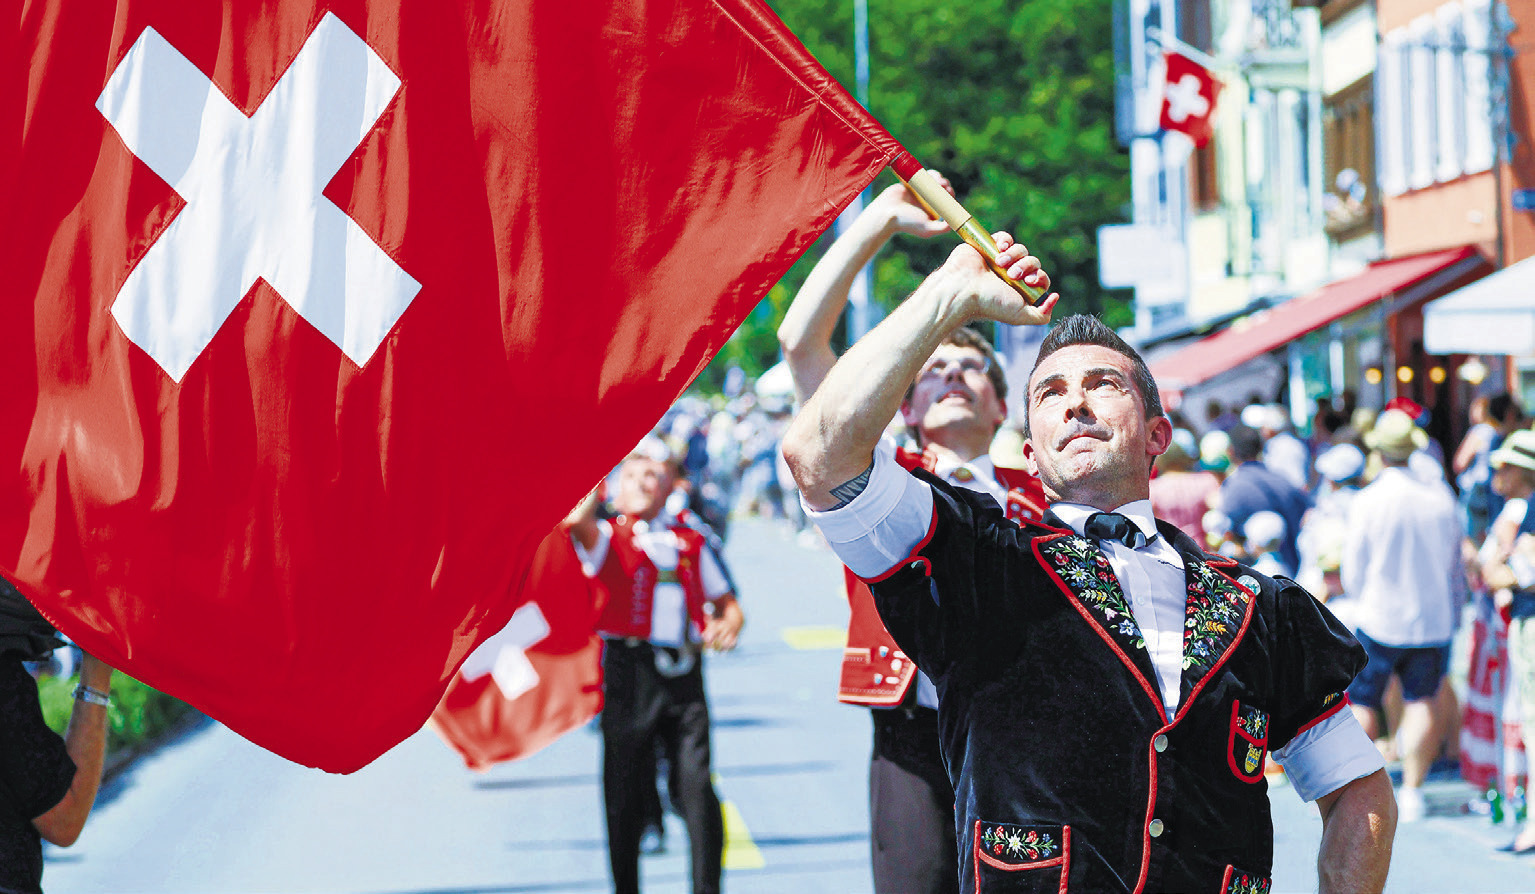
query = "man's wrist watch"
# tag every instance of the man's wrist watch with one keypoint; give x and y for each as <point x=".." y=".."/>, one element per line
<point x="92" y="696"/>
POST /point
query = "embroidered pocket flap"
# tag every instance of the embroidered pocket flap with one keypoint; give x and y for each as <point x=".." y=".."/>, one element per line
<point x="1240" y="882"/>
<point x="1008" y="846"/>
<point x="1249" y="741"/>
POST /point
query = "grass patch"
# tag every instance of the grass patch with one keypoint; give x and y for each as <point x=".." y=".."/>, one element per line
<point x="137" y="712"/>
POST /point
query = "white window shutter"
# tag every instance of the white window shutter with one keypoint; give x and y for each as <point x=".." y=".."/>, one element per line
<point x="1421" y="102"/>
<point x="1450" y="91"/>
<point x="1391" y="132"/>
<point x="1478" y="75"/>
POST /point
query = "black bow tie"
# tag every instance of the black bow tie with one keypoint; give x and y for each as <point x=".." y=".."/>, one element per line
<point x="1113" y="526"/>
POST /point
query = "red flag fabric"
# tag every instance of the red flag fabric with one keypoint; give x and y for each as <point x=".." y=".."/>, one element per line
<point x="1188" y="100"/>
<point x="538" y="677"/>
<point x="322" y="314"/>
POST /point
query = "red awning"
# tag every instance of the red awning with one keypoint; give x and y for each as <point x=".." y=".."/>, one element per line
<point x="1273" y="328"/>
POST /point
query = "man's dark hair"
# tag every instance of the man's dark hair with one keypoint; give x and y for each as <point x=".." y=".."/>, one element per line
<point x="1246" y="444"/>
<point x="1081" y="329"/>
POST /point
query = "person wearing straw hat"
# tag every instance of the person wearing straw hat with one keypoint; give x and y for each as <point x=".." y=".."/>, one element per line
<point x="1402" y="563"/>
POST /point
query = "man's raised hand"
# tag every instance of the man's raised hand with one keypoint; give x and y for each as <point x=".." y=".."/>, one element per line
<point x="906" y="214"/>
<point x="991" y="298"/>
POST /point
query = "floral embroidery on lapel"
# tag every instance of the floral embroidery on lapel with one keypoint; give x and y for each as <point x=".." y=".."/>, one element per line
<point x="1017" y="843"/>
<point x="1085" y="569"/>
<point x="1213" y="617"/>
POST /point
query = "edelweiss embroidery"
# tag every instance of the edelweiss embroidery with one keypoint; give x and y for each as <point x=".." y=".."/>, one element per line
<point x="1242" y="883"/>
<point x="1255" y="723"/>
<point x="1215" y="609"/>
<point x="1086" y="570"/>
<point x="1032" y="845"/>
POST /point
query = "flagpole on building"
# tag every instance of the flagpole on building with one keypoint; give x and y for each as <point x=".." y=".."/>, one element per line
<point x="1168" y="41"/>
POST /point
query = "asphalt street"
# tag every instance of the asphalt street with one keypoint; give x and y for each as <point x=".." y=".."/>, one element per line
<point x="209" y="812"/>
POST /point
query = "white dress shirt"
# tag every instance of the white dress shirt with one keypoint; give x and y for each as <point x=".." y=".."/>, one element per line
<point x="1153" y="581"/>
<point x="882" y="525"/>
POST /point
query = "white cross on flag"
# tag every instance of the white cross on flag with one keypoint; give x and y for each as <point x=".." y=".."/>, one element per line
<point x="320" y="314"/>
<point x="1188" y="98"/>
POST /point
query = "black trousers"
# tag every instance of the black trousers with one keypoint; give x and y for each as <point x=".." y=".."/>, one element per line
<point x="640" y="707"/>
<point x="911" y="806"/>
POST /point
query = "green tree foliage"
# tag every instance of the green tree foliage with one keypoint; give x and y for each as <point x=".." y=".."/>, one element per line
<point x="1014" y="101"/>
<point x="137" y="715"/>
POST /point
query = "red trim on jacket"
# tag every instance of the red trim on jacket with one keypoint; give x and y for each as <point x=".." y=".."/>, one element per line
<point x="1326" y="713"/>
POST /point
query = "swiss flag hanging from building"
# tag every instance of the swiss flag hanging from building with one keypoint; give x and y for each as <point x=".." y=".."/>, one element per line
<point x="321" y="314"/>
<point x="1188" y="98"/>
<point x="536" y="678"/>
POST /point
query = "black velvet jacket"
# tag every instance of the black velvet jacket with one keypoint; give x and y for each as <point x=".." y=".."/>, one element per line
<point x="1067" y="773"/>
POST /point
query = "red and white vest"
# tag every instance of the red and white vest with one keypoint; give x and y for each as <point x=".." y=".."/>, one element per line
<point x="875" y="671"/>
<point x="628" y="578"/>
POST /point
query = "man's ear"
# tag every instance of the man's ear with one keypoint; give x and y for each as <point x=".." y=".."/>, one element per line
<point x="1001" y="419"/>
<point x="1159" y="436"/>
<point x="909" y="416"/>
<point x="1029" y="460"/>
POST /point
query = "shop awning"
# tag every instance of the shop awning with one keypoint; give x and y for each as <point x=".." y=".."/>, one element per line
<point x="1494" y="315"/>
<point x="1273" y="328"/>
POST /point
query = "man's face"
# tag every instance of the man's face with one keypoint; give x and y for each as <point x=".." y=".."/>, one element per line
<point x="954" y="397"/>
<point x="643" y="486"/>
<point x="1089" y="438"/>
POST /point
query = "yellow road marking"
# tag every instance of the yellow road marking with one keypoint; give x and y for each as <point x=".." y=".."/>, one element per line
<point x="740" y="851"/>
<point x="812" y="638"/>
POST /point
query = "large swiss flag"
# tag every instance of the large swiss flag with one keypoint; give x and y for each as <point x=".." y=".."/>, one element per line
<point x="319" y="315"/>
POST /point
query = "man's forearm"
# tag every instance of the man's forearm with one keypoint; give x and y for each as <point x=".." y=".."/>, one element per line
<point x="806" y="331"/>
<point x="86" y="742"/>
<point x="832" y="440"/>
<point x="1358" y="825"/>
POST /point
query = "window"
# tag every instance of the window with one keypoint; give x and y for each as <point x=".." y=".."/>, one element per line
<point x="1348" y="160"/>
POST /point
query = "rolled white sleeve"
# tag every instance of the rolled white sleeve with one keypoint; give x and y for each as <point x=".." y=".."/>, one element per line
<point x="1328" y="756"/>
<point x="882" y="525"/>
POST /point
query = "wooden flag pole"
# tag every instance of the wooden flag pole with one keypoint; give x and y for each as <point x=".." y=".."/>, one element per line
<point x="940" y="204"/>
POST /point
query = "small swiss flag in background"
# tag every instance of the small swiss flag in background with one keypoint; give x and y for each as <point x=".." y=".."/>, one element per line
<point x="1188" y="99"/>
<point x="536" y="678"/>
<point x="320" y="315"/>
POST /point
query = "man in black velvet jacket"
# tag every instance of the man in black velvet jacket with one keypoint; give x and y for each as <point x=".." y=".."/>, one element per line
<point x="1108" y="693"/>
